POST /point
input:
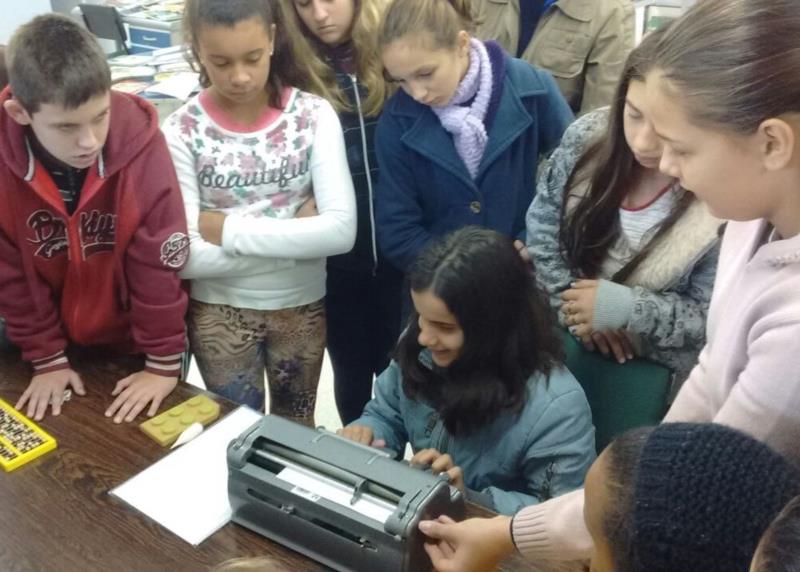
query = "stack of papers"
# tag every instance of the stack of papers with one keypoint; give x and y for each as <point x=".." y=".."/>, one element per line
<point x="163" y="72"/>
<point x="131" y="86"/>
<point x="157" y="59"/>
<point x="178" y="85"/>
<point x="131" y="60"/>
<point x="170" y="55"/>
<point x="162" y="10"/>
<point x="160" y="15"/>
<point x="120" y="73"/>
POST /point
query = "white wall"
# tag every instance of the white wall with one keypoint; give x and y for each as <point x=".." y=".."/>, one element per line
<point x="17" y="12"/>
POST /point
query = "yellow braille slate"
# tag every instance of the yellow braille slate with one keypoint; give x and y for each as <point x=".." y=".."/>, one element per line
<point x="166" y="427"/>
<point x="21" y="440"/>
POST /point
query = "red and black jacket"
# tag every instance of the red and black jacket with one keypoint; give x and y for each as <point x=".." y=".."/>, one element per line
<point x="108" y="273"/>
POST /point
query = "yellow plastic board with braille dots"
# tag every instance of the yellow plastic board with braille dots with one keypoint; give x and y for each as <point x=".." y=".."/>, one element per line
<point x="21" y="440"/>
<point x="166" y="427"/>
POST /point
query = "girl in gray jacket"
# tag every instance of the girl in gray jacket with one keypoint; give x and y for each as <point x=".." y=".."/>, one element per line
<point x="627" y="256"/>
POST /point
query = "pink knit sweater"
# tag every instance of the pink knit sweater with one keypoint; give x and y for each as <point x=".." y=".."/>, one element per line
<point x="747" y="376"/>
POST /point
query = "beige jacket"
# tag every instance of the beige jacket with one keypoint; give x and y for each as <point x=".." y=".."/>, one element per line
<point x="583" y="43"/>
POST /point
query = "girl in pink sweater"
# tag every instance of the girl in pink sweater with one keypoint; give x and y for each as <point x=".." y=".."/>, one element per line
<point x="724" y="96"/>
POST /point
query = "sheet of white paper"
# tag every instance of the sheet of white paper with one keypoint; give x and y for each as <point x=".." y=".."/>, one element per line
<point x="313" y="486"/>
<point x="179" y="86"/>
<point x="187" y="491"/>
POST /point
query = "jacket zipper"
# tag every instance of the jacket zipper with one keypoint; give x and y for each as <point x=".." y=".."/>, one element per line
<point x="74" y="250"/>
<point x="73" y="223"/>
<point x="443" y="443"/>
<point x="72" y="236"/>
<point x="354" y="82"/>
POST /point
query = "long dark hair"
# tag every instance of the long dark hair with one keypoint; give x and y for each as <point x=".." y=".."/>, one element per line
<point x="592" y="227"/>
<point x="282" y="73"/>
<point x="509" y="331"/>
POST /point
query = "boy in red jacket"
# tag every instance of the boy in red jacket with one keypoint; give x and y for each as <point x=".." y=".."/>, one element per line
<point x="92" y="227"/>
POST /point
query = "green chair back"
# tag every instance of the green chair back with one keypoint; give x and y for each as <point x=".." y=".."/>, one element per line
<point x="621" y="396"/>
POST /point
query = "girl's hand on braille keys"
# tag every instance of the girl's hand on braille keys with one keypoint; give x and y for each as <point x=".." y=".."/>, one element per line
<point x="440" y="463"/>
<point x="358" y="433"/>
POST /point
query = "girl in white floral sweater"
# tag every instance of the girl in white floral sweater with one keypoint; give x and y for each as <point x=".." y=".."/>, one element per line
<point x="268" y="196"/>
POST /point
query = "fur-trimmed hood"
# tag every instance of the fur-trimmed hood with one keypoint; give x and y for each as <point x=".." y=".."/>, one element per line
<point x="692" y="235"/>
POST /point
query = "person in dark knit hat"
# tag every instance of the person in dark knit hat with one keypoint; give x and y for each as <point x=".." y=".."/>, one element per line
<point x="779" y="549"/>
<point x="683" y="497"/>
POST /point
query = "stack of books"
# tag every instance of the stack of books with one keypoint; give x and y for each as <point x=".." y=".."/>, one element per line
<point x="165" y="72"/>
<point x="158" y="10"/>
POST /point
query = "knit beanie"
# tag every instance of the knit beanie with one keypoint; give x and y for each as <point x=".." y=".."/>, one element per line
<point x="705" y="494"/>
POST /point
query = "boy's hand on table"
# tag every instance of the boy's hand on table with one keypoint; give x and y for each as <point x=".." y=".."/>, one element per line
<point x="440" y="463"/>
<point x="473" y="545"/>
<point x="136" y="391"/>
<point x="47" y="388"/>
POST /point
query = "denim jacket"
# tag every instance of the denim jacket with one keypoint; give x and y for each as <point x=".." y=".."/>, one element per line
<point x="517" y="460"/>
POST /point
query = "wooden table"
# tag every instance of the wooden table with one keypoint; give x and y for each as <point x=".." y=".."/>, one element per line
<point x="57" y="511"/>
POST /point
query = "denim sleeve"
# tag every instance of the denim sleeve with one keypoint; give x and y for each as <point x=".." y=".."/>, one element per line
<point x="383" y="414"/>
<point x="560" y="450"/>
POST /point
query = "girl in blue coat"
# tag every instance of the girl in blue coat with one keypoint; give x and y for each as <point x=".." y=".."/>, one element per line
<point x="478" y="387"/>
<point x="459" y="143"/>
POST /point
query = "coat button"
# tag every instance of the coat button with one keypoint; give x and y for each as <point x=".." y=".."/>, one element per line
<point x="475" y="207"/>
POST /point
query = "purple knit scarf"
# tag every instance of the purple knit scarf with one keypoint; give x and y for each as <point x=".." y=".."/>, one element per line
<point x="465" y="123"/>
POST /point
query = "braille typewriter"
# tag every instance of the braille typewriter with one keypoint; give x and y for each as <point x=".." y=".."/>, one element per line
<point x="346" y="505"/>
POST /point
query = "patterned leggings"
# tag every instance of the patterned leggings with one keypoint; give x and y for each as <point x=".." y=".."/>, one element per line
<point x="233" y="346"/>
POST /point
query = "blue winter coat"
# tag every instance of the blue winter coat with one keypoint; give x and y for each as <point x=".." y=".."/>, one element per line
<point x="425" y="189"/>
<point x="517" y="460"/>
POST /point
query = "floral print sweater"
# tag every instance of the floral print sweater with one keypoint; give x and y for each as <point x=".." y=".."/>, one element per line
<point x="259" y="175"/>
